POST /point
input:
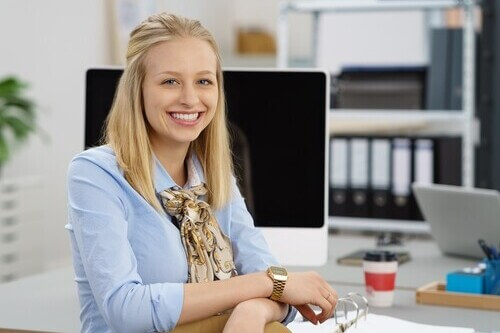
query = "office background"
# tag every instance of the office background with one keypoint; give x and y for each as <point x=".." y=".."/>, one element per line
<point x="51" y="43"/>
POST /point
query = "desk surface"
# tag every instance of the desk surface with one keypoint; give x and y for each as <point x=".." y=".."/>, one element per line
<point x="48" y="301"/>
<point x="404" y="307"/>
<point x="427" y="263"/>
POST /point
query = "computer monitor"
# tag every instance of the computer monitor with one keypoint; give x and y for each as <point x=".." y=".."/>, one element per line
<point x="278" y="126"/>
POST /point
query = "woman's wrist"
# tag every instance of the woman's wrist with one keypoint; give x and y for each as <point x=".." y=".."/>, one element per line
<point x="266" y="283"/>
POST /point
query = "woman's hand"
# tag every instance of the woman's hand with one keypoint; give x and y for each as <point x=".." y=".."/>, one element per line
<point x="308" y="288"/>
<point x="253" y="315"/>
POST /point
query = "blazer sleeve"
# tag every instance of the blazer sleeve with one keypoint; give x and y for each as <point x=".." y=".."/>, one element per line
<point x="98" y="219"/>
<point x="251" y="252"/>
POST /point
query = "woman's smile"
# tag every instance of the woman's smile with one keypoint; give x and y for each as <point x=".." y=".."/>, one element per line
<point x="186" y="118"/>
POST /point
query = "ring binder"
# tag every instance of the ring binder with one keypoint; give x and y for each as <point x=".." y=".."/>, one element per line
<point x="372" y="323"/>
<point x="343" y="327"/>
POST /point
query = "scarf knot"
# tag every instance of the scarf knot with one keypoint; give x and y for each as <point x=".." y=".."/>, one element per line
<point x="208" y="250"/>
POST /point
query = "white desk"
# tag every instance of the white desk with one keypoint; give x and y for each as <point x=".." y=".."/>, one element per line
<point x="406" y="308"/>
<point x="427" y="263"/>
<point x="48" y="301"/>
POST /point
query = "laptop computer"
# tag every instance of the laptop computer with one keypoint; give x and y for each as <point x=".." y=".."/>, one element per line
<point x="459" y="216"/>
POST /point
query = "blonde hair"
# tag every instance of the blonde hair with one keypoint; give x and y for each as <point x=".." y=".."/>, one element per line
<point x="127" y="128"/>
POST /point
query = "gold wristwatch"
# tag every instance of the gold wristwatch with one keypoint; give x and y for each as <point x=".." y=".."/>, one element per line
<point x="279" y="275"/>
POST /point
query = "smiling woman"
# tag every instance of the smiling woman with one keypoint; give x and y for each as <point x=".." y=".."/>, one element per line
<point x="180" y="92"/>
<point x="161" y="236"/>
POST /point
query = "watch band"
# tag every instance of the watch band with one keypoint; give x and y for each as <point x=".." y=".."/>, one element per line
<point x="278" y="288"/>
<point x="279" y="275"/>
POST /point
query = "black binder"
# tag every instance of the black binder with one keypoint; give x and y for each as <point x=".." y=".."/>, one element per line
<point x="357" y="199"/>
<point x="371" y="177"/>
<point x="401" y="179"/>
<point x="380" y="177"/>
<point x="338" y="176"/>
<point x="448" y="166"/>
<point x="423" y="169"/>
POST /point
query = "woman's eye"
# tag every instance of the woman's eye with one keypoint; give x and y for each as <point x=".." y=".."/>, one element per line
<point x="169" y="82"/>
<point x="205" y="82"/>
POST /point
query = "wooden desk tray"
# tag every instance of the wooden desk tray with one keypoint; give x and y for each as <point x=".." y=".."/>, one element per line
<point x="435" y="293"/>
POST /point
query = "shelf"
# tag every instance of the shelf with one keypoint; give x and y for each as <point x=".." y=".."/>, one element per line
<point x="249" y="60"/>
<point x="370" y="5"/>
<point x="353" y="121"/>
<point x="371" y="224"/>
<point x="396" y="122"/>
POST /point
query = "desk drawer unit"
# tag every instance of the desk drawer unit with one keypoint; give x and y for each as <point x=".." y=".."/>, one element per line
<point x="18" y="214"/>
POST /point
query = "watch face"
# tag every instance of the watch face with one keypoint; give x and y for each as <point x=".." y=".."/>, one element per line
<point x="279" y="271"/>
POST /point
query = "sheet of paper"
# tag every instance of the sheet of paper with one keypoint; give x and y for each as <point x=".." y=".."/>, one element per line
<point x="375" y="324"/>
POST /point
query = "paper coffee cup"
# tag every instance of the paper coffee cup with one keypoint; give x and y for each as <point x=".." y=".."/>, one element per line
<point x="380" y="269"/>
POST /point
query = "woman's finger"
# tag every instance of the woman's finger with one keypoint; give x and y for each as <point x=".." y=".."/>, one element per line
<point x="326" y="308"/>
<point x="333" y="301"/>
<point x="307" y="313"/>
<point x="332" y="298"/>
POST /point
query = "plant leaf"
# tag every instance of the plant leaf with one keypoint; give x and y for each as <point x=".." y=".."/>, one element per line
<point x="17" y="115"/>
<point x="17" y="101"/>
<point x="20" y="127"/>
<point x="11" y="86"/>
<point x="4" y="150"/>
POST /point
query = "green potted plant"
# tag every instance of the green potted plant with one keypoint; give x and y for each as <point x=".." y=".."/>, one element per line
<point x="17" y="116"/>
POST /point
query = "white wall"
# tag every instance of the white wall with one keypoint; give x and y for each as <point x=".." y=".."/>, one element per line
<point x="214" y="15"/>
<point x="223" y="17"/>
<point x="49" y="44"/>
<point x="372" y="38"/>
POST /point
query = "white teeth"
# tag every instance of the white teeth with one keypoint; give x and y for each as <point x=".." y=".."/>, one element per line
<point x="184" y="116"/>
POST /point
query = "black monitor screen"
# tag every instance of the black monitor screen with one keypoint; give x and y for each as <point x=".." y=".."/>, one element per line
<point x="277" y="128"/>
<point x="100" y="90"/>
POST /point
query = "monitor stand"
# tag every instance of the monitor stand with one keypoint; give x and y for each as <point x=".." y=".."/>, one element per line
<point x="390" y="239"/>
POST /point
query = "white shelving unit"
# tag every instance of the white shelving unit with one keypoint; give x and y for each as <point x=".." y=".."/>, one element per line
<point x="396" y="122"/>
<point x="456" y="122"/>
<point x="363" y="224"/>
<point x="21" y="226"/>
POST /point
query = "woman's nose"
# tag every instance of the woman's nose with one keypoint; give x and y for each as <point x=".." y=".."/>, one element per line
<point x="189" y="96"/>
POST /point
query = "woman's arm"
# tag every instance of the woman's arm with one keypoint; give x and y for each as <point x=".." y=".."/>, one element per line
<point x="202" y="300"/>
<point x="253" y="315"/>
<point x="98" y="221"/>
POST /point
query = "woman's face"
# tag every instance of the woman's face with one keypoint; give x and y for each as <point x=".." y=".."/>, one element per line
<point x="180" y="90"/>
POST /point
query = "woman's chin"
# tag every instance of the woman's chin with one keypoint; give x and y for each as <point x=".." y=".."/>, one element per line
<point x="187" y="138"/>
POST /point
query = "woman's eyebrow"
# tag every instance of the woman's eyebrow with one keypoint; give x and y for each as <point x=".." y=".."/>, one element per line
<point x="179" y="74"/>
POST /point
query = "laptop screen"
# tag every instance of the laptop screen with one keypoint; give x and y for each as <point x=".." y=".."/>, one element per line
<point x="277" y="127"/>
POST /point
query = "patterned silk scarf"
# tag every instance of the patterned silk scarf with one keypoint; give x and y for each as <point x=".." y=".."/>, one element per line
<point x="208" y="250"/>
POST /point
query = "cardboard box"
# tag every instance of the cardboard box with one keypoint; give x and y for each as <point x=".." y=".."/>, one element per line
<point x="254" y="41"/>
